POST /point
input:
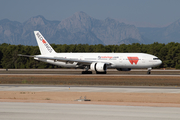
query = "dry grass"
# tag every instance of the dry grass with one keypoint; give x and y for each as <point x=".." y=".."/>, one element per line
<point x="92" y="80"/>
<point x="135" y="99"/>
<point x="78" y="72"/>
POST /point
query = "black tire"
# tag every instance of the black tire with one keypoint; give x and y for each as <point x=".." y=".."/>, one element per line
<point x="148" y="72"/>
<point x="101" y="72"/>
<point x="86" y="72"/>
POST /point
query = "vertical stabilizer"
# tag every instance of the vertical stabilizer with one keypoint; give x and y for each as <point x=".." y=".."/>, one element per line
<point x="44" y="46"/>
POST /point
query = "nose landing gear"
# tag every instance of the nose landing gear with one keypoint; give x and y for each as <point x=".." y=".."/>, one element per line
<point x="149" y="71"/>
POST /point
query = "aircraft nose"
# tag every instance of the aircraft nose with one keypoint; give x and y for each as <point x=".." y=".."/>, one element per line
<point x="160" y="62"/>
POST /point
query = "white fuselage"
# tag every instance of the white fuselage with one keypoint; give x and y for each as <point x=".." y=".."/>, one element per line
<point x="117" y="60"/>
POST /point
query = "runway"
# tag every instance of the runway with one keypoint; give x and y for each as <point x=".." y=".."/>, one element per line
<point x="92" y="75"/>
<point x="21" y="109"/>
<point x="136" y="98"/>
<point x="49" y="111"/>
<point x="77" y="72"/>
<point x="70" y="88"/>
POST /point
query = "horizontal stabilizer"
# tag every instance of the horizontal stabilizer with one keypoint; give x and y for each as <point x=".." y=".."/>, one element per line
<point x="26" y="55"/>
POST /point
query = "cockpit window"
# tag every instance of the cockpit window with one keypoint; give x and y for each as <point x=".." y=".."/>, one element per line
<point x="155" y="58"/>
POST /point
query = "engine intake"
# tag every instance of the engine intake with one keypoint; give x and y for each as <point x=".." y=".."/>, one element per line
<point x="98" y="67"/>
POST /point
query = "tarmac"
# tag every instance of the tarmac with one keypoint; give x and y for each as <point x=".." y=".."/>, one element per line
<point x="51" y="111"/>
<point x="56" y="111"/>
<point x="77" y="72"/>
<point x="70" y="88"/>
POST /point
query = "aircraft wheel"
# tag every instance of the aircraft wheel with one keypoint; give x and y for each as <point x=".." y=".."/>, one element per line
<point x="148" y="72"/>
<point x="100" y="72"/>
<point x="86" y="72"/>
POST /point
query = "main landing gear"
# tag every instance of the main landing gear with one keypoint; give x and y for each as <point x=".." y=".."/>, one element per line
<point x="149" y="71"/>
<point x="86" y="72"/>
<point x="90" y="72"/>
<point x="100" y="72"/>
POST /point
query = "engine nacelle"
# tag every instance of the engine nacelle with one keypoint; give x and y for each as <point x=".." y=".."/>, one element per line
<point x="98" y="67"/>
<point x="123" y="69"/>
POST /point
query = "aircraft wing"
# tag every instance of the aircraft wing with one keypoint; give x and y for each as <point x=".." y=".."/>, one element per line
<point x="69" y="60"/>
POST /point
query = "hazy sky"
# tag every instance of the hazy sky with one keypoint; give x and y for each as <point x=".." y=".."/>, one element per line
<point x="138" y="12"/>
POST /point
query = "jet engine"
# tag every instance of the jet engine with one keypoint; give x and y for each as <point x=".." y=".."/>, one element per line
<point x="123" y="69"/>
<point x="98" y="67"/>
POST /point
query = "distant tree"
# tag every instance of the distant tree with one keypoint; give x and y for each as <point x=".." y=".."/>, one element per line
<point x="168" y="53"/>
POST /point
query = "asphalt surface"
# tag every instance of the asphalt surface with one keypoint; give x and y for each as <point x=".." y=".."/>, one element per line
<point x="49" y="111"/>
<point x="77" y="72"/>
<point x="82" y="70"/>
<point x="86" y="75"/>
<point x="54" y="111"/>
<point x="61" y="88"/>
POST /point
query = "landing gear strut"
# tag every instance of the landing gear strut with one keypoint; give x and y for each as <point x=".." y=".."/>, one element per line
<point x="86" y="70"/>
<point x="149" y="71"/>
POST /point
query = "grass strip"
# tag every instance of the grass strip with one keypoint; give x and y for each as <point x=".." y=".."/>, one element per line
<point x="92" y="80"/>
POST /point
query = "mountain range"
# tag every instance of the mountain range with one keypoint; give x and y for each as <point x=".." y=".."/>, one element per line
<point x="171" y="33"/>
<point x="81" y="28"/>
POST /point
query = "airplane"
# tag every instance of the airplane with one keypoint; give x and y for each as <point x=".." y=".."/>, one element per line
<point x="98" y="62"/>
